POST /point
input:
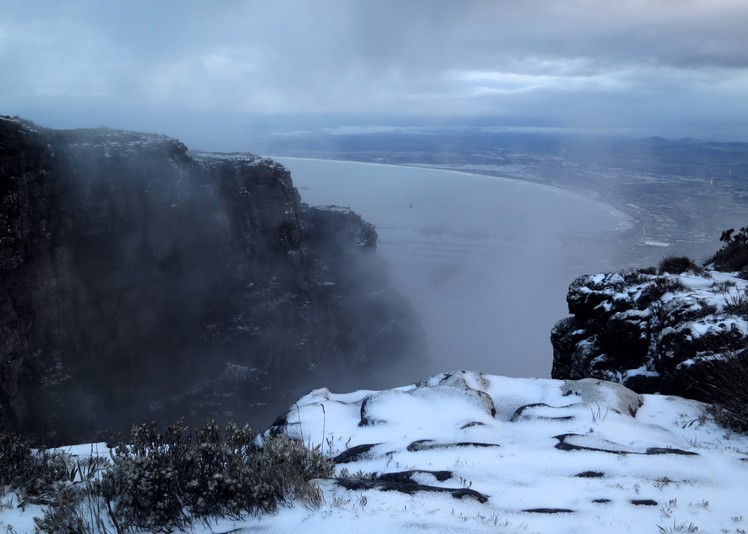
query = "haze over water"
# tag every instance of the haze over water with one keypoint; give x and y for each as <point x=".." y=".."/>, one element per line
<point x="485" y="261"/>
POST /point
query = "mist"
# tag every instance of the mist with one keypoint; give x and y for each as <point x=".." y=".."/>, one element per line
<point x="485" y="261"/>
<point x="547" y="93"/>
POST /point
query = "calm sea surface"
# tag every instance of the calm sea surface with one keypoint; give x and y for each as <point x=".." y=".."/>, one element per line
<point x="485" y="261"/>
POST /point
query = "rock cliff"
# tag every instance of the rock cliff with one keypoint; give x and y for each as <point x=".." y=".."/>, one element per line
<point x="652" y="332"/>
<point x="140" y="281"/>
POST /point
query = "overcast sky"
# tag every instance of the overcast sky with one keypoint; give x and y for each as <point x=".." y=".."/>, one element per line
<point x="664" y="67"/>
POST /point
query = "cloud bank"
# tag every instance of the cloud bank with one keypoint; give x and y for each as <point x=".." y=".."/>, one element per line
<point x="583" y="63"/>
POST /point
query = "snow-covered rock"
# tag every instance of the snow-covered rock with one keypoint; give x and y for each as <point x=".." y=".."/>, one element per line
<point x="651" y="332"/>
<point x="470" y="452"/>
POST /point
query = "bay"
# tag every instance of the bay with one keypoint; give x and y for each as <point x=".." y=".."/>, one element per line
<point x="485" y="261"/>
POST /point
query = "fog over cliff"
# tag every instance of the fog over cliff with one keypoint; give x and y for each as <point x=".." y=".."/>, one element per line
<point x="252" y="76"/>
<point x="141" y="282"/>
<point x="485" y="261"/>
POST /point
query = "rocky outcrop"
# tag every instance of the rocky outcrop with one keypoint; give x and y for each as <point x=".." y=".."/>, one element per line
<point x="584" y="456"/>
<point x="652" y="332"/>
<point x="138" y="280"/>
<point x="472" y="443"/>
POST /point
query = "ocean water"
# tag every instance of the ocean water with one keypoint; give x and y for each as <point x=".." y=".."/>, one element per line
<point x="485" y="261"/>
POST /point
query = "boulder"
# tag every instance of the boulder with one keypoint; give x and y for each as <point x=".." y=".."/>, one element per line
<point x="652" y="332"/>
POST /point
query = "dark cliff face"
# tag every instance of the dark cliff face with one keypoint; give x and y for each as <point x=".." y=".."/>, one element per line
<point x="652" y="332"/>
<point x="139" y="282"/>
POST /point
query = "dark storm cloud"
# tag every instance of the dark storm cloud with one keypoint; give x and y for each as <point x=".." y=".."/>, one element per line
<point x="586" y="62"/>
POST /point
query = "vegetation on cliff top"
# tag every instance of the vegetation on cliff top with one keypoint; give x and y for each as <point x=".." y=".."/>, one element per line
<point x="733" y="256"/>
<point x="162" y="481"/>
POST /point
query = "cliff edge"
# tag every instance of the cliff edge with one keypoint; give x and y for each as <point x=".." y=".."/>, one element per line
<point x="139" y="281"/>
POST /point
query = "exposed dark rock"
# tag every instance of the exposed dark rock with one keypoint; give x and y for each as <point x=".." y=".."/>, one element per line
<point x="354" y="454"/>
<point x="140" y="281"/>
<point x="590" y="474"/>
<point x="643" y="502"/>
<point x="367" y="420"/>
<point x="526" y="412"/>
<point x="548" y="511"/>
<point x="407" y="476"/>
<point x="654" y="333"/>
<point x="601" y="501"/>
<point x="471" y="425"/>
<point x="409" y="488"/>
<point x="583" y="442"/>
<point x="668" y="450"/>
<point x="429" y="444"/>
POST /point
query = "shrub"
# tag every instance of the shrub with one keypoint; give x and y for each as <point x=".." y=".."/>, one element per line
<point x="678" y="265"/>
<point x="725" y="384"/>
<point x="142" y="487"/>
<point x="648" y="270"/>
<point x="658" y="287"/>
<point x="75" y="509"/>
<point x="736" y="302"/>
<point x="299" y="464"/>
<point x="733" y="256"/>
<point x="164" y="481"/>
<point x="30" y="474"/>
<point x="636" y="276"/>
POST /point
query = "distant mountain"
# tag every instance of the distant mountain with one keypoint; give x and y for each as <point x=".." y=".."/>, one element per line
<point x="684" y="151"/>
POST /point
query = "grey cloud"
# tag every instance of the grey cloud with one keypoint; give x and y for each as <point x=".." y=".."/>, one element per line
<point x="431" y="57"/>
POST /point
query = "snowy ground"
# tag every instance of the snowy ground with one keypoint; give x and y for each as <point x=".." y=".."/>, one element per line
<point x="468" y="452"/>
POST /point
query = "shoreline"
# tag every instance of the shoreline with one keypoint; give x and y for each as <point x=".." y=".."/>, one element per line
<point x="667" y="232"/>
<point x="628" y="222"/>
